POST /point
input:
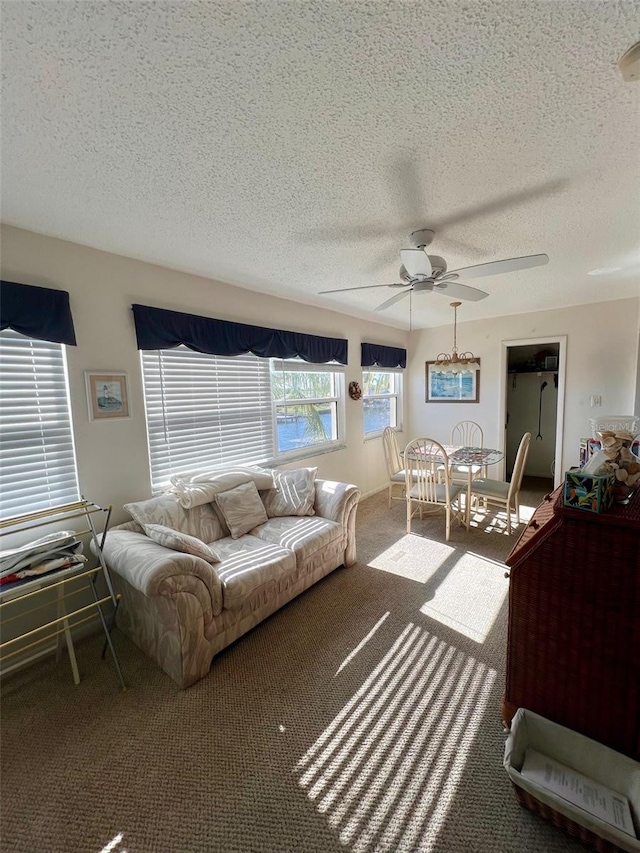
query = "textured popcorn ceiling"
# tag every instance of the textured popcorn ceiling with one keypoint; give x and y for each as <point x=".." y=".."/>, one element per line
<point x="292" y="147"/>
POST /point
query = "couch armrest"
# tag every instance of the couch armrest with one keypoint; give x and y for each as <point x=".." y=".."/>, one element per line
<point x="156" y="570"/>
<point x="339" y="502"/>
<point x="334" y="499"/>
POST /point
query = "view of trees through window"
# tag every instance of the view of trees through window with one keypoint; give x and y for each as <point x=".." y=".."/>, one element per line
<point x="306" y="406"/>
<point x="380" y="393"/>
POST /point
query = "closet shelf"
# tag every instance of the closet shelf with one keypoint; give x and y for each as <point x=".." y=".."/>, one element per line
<point x="534" y="372"/>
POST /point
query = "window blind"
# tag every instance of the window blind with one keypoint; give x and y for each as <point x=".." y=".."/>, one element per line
<point x="37" y="458"/>
<point x="205" y="411"/>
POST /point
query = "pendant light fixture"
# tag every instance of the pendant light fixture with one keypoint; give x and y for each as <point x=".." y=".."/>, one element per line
<point x="455" y="362"/>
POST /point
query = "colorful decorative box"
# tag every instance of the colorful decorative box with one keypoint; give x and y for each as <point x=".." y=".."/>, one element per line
<point x="592" y="492"/>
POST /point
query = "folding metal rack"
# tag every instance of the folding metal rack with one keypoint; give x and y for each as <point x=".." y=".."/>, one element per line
<point x="29" y="590"/>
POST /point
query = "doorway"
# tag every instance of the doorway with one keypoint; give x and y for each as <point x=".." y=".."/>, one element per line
<point x="532" y="400"/>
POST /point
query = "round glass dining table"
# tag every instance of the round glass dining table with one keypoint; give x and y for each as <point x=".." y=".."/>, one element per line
<point x="463" y="456"/>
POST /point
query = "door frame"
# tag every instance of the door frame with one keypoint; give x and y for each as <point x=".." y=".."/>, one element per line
<point x="561" y="341"/>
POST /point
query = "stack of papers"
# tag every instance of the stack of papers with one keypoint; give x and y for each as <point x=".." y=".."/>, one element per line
<point x="586" y="793"/>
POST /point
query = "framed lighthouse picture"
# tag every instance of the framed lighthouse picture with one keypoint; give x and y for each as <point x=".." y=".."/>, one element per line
<point x="107" y="395"/>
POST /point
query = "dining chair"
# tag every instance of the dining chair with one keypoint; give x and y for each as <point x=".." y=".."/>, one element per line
<point x="505" y="494"/>
<point x="467" y="434"/>
<point x="428" y="482"/>
<point x="394" y="465"/>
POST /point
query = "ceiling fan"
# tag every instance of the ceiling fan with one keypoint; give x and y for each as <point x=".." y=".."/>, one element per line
<point x="422" y="272"/>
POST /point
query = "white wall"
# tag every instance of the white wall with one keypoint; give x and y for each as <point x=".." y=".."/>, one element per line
<point x="523" y="406"/>
<point x="602" y="358"/>
<point x="112" y="455"/>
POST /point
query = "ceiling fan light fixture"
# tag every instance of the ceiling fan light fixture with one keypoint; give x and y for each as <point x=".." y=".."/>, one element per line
<point x="455" y="362"/>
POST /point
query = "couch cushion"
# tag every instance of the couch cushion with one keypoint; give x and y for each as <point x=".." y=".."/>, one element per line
<point x="201" y="521"/>
<point x="242" y="508"/>
<point x="303" y="536"/>
<point x="248" y="566"/>
<point x="293" y="493"/>
<point x="441" y="492"/>
<point x="179" y="541"/>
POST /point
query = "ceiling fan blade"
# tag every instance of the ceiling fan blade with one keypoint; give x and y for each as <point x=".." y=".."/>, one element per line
<point x="340" y="234"/>
<point x="507" y="265"/>
<point x="498" y="204"/>
<point x="416" y="262"/>
<point x="364" y="287"/>
<point x="405" y="186"/>
<point x="459" y="291"/>
<point x="393" y="300"/>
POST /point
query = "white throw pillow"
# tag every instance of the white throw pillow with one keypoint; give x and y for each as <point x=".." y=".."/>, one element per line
<point x="294" y="493"/>
<point x="242" y="508"/>
<point x="178" y="541"/>
<point x="201" y="521"/>
<point x="193" y="490"/>
<point x="235" y="475"/>
<point x="164" y="509"/>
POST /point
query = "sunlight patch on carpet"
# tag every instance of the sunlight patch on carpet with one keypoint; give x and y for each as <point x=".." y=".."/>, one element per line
<point x="470" y="597"/>
<point x="114" y="845"/>
<point x="526" y="512"/>
<point x="495" y="520"/>
<point x="386" y="770"/>
<point x="413" y="557"/>
<point x="362" y="643"/>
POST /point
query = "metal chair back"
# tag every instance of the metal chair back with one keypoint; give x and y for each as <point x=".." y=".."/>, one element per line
<point x="391" y="453"/>
<point x="467" y="434"/>
<point x="427" y="468"/>
<point x="518" y="467"/>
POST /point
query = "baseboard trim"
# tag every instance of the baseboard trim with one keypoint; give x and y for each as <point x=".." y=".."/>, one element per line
<point x="374" y="492"/>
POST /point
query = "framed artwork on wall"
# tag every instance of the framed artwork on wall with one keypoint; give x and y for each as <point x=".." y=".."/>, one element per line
<point x="107" y="395"/>
<point x="452" y="387"/>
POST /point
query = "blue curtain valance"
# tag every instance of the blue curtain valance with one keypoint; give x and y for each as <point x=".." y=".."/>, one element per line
<point x="36" y="312"/>
<point x="375" y="355"/>
<point x="157" y="328"/>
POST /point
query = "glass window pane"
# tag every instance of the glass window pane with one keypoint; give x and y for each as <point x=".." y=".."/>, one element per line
<point x="301" y="385"/>
<point x="379" y="412"/>
<point x="377" y="382"/>
<point x="306" y="425"/>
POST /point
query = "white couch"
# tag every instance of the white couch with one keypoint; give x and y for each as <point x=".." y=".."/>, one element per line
<point x="182" y="610"/>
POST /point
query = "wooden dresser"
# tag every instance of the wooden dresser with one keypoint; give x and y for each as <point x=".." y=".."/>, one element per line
<point x="573" y="652"/>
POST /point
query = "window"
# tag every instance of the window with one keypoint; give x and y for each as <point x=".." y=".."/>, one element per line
<point x="37" y="458"/>
<point x="306" y="404"/>
<point x="382" y="400"/>
<point x="207" y="411"/>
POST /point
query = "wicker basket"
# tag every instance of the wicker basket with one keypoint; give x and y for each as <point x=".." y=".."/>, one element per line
<point x="529" y="730"/>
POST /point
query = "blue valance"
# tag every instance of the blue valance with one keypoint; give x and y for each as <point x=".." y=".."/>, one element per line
<point x="36" y="312"/>
<point x="157" y="328"/>
<point x="375" y="355"/>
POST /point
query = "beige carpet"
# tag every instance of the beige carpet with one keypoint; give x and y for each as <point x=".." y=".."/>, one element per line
<point x="364" y="716"/>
